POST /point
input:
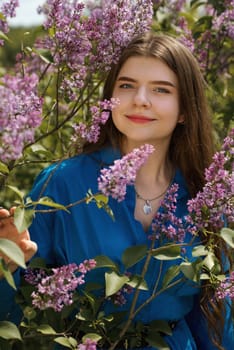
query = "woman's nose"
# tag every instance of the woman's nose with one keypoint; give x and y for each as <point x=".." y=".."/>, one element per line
<point x="142" y="98"/>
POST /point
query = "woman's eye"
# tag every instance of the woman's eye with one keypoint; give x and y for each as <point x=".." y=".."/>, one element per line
<point x="162" y="90"/>
<point x="126" y="86"/>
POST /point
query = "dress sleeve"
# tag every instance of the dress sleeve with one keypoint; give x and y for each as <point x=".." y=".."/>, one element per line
<point x="199" y="328"/>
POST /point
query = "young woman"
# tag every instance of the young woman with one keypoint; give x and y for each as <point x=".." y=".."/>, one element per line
<point x="162" y="103"/>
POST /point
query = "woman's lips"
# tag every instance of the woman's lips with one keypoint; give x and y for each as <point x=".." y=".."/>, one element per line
<point x="140" y="119"/>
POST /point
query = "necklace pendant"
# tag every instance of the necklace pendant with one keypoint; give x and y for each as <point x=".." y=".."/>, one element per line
<point x="147" y="209"/>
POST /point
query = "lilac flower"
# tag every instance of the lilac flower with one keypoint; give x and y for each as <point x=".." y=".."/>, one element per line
<point x="100" y="115"/>
<point x="119" y="297"/>
<point x="166" y="223"/>
<point x="56" y="290"/>
<point x="213" y="206"/>
<point x="88" y="344"/>
<point x="226" y="288"/>
<point x="7" y="9"/>
<point x="114" y="180"/>
<point x="20" y="114"/>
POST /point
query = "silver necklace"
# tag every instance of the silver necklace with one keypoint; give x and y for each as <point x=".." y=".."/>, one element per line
<point x="147" y="207"/>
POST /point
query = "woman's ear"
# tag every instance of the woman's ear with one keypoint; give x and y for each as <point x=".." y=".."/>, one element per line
<point x="181" y="119"/>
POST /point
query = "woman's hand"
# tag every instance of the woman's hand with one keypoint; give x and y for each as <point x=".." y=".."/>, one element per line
<point x="9" y="231"/>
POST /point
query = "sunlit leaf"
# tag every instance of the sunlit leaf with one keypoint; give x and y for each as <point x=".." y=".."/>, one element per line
<point x="19" y="193"/>
<point x="133" y="255"/>
<point x="93" y="336"/>
<point x="47" y="201"/>
<point x="199" y="250"/>
<point x="23" y="218"/>
<point x="4" y="168"/>
<point x="9" y="330"/>
<point x="137" y="282"/>
<point x="11" y="250"/>
<point x="64" y="341"/>
<point x="168" y="252"/>
<point x="209" y="260"/>
<point x="114" y="283"/>
<point x="228" y="235"/>
<point x="46" y="329"/>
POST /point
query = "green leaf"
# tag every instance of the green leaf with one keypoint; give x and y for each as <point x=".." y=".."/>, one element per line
<point x="160" y="326"/>
<point x="3" y="36"/>
<point x="114" y="282"/>
<point x="19" y="193"/>
<point x="105" y="261"/>
<point x="93" y="336"/>
<point x="133" y="255"/>
<point x="11" y="250"/>
<point x="137" y="282"/>
<point x="47" y="201"/>
<point x="228" y="236"/>
<point x="64" y="341"/>
<point x="199" y="250"/>
<point x="4" y="168"/>
<point x="7" y="274"/>
<point x="188" y="270"/>
<point x="9" y="330"/>
<point x="167" y="252"/>
<point x="23" y="218"/>
<point x="210" y="260"/>
<point x="171" y="273"/>
<point x="46" y="329"/>
<point x="156" y="340"/>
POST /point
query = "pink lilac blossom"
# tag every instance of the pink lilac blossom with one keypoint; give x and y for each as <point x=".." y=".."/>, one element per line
<point x="213" y="206"/>
<point x="165" y="223"/>
<point x="7" y="9"/>
<point x="226" y="288"/>
<point x="56" y="290"/>
<point x="88" y="344"/>
<point x="100" y="114"/>
<point x="20" y="114"/>
<point x="113" y="181"/>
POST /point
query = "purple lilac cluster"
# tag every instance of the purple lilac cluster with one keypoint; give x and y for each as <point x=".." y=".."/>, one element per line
<point x="88" y="344"/>
<point x="224" y="22"/>
<point x="20" y="114"/>
<point x="119" y="298"/>
<point x="213" y="206"/>
<point x="226" y="288"/>
<point x="113" y="181"/>
<point x="222" y="27"/>
<point x="100" y="115"/>
<point x="56" y="290"/>
<point x="8" y="11"/>
<point x="80" y="36"/>
<point x="166" y="223"/>
<point x="112" y="25"/>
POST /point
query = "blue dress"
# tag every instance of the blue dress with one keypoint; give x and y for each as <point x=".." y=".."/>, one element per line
<point x="87" y="231"/>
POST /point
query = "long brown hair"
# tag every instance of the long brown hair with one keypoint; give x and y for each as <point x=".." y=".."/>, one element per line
<point x="191" y="148"/>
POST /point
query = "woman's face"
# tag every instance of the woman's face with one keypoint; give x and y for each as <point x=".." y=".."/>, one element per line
<point x="149" y="102"/>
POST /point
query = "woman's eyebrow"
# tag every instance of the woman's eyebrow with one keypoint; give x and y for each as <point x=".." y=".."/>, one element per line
<point x="161" y="82"/>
